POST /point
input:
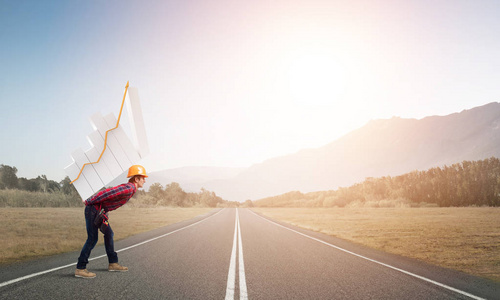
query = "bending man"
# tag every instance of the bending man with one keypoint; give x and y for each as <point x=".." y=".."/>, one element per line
<point x="108" y="199"/>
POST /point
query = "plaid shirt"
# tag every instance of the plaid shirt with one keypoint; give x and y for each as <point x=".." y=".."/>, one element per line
<point x="112" y="198"/>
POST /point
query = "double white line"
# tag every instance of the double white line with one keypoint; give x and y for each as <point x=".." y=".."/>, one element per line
<point x="231" y="276"/>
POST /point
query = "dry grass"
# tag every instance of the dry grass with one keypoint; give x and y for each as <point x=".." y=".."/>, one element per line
<point x="33" y="232"/>
<point x="465" y="239"/>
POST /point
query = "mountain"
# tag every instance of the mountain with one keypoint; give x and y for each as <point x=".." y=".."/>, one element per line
<point x="380" y="148"/>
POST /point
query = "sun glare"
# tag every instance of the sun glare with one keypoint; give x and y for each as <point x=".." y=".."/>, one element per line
<point x="316" y="79"/>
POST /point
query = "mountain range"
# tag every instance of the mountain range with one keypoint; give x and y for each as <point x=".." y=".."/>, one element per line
<point x="386" y="147"/>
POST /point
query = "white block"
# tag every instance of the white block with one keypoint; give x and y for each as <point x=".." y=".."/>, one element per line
<point x="108" y="158"/>
<point x="101" y="168"/>
<point x="88" y="171"/>
<point x="137" y="122"/>
<point x="123" y="139"/>
<point x="100" y="125"/>
<point x="82" y="186"/>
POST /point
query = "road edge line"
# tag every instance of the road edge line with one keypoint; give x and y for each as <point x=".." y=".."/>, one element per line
<point x="5" y="283"/>
<point x="378" y="262"/>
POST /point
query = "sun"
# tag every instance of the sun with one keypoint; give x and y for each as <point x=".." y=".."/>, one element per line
<point x="316" y="79"/>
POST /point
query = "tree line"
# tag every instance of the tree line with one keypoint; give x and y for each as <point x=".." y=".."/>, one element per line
<point x="9" y="180"/>
<point x="42" y="192"/>
<point x="173" y="195"/>
<point x="470" y="183"/>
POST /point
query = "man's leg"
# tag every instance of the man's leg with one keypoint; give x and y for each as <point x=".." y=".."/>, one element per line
<point x="110" y="245"/>
<point x="92" y="236"/>
<point x="110" y="251"/>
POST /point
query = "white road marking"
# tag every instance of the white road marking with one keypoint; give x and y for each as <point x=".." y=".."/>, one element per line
<point x="241" y="266"/>
<point x="377" y="262"/>
<point x="101" y="256"/>
<point x="231" y="276"/>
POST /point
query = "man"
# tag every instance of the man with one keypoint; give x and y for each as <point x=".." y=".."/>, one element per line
<point x="108" y="199"/>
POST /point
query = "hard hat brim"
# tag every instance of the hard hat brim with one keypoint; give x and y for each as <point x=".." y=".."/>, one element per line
<point x="137" y="175"/>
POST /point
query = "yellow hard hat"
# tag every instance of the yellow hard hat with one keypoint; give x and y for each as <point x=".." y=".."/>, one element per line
<point x="136" y="170"/>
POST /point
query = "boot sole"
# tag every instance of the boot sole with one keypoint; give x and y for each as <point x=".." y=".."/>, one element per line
<point x="87" y="277"/>
<point x="118" y="270"/>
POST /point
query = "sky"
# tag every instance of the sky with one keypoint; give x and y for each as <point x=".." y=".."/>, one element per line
<point x="234" y="83"/>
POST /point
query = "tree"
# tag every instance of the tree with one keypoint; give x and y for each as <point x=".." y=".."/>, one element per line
<point x="29" y="185"/>
<point x="156" y="191"/>
<point x="8" y="177"/>
<point x="67" y="188"/>
<point x="175" y="194"/>
<point x="43" y="183"/>
<point x="208" y="198"/>
<point x="248" y="203"/>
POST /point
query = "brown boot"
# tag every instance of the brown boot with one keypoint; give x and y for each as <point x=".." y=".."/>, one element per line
<point x="115" y="267"/>
<point x="83" y="273"/>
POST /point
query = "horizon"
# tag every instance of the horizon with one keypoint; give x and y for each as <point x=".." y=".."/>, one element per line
<point x="116" y="180"/>
<point x="226" y="84"/>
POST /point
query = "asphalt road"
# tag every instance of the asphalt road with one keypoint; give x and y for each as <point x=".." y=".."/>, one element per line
<point x="235" y="253"/>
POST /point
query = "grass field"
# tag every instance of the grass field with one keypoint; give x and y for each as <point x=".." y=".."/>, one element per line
<point x="465" y="239"/>
<point x="34" y="232"/>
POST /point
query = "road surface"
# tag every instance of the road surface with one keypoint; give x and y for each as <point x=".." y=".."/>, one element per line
<point x="238" y="254"/>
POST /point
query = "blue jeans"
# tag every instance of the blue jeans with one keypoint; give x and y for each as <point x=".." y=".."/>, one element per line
<point x="92" y="236"/>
